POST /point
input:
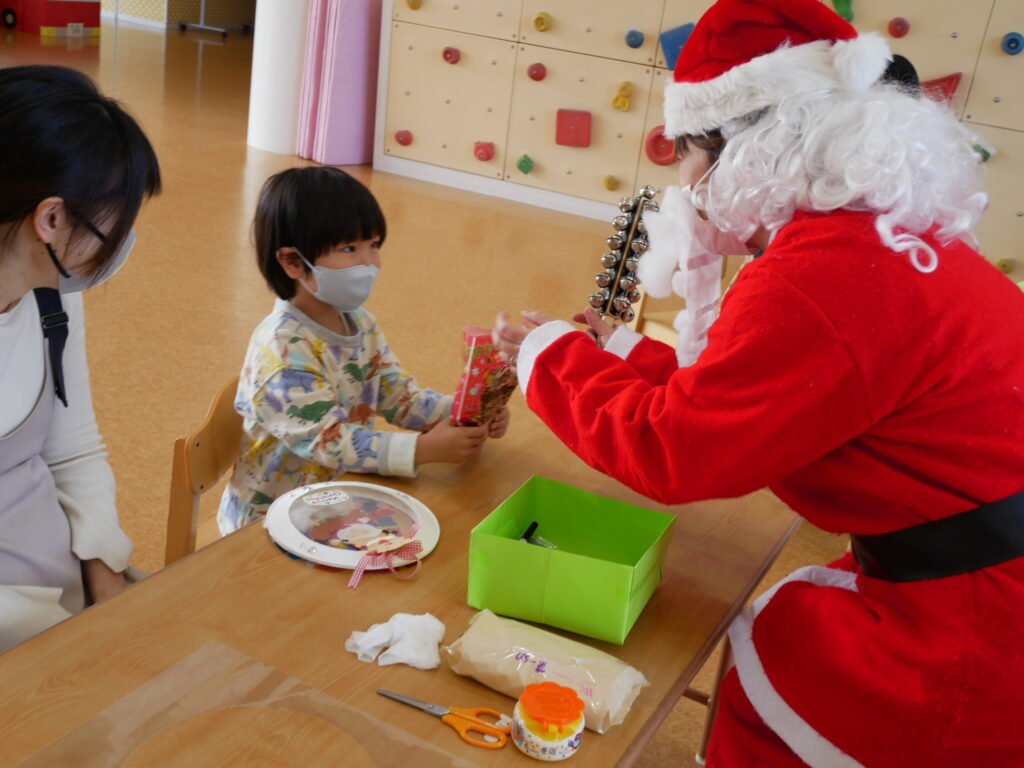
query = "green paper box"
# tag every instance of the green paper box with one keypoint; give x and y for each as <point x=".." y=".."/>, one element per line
<point x="609" y="560"/>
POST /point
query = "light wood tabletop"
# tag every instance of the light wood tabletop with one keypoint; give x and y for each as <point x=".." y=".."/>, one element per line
<point x="243" y="599"/>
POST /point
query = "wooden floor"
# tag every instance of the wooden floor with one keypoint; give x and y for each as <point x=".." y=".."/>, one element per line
<point x="175" y="322"/>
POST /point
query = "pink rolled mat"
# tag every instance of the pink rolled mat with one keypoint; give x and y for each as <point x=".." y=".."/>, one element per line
<point x="312" y="71"/>
<point x="339" y="87"/>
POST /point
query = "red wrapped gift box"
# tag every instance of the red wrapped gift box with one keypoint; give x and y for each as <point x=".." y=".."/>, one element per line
<point x="487" y="381"/>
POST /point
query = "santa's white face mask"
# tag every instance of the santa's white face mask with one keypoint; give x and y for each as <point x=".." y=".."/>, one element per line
<point x="685" y="257"/>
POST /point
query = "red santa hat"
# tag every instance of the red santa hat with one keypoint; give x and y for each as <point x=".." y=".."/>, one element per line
<point x="745" y="55"/>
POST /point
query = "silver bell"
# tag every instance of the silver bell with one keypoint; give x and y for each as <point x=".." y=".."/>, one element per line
<point x="598" y="299"/>
<point x="633" y="296"/>
<point x="652" y="206"/>
<point x="604" y="279"/>
<point x="620" y="303"/>
<point x="641" y="227"/>
<point x="648" y="192"/>
<point x="610" y="259"/>
<point x="615" y="242"/>
<point x="626" y="284"/>
<point x="621" y="222"/>
<point x="627" y="205"/>
<point x="639" y="245"/>
<point x="632" y="263"/>
<point x="627" y="315"/>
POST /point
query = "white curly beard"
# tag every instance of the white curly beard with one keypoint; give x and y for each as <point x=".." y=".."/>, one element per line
<point x="679" y="262"/>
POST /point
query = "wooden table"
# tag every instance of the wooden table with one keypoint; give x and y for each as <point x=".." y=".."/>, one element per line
<point x="243" y="593"/>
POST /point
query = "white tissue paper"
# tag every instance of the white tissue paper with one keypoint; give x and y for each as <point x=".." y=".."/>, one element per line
<point x="409" y="639"/>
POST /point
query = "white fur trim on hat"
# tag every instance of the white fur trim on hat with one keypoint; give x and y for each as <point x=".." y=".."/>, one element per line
<point x="695" y="108"/>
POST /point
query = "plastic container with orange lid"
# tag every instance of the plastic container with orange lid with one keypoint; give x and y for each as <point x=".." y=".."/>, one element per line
<point x="548" y="722"/>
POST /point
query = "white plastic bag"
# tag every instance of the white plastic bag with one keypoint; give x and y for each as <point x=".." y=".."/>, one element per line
<point x="507" y="656"/>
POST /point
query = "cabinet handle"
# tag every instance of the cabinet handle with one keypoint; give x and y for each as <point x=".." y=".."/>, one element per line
<point x="844" y="8"/>
<point x="484" y="150"/>
<point x="634" y="38"/>
<point x="622" y="96"/>
<point x="611" y="183"/>
<point x="451" y="55"/>
<point x="660" y="149"/>
<point x="403" y="137"/>
<point x="899" y="27"/>
<point x="542" y="21"/>
<point x="414" y="5"/>
<point x="537" y="71"/>
<point x="1013" y="42"/>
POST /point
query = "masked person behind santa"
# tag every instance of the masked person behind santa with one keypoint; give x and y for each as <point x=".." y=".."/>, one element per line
<point x="865" y="367"/>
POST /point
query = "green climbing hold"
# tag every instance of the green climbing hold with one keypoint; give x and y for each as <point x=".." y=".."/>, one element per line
<point x="525" y="164"/>
<point x="844" y="8"/>
<point x="983" y="153"/>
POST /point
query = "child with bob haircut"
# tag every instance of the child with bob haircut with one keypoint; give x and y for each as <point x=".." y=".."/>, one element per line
<point x="319" y="370"/>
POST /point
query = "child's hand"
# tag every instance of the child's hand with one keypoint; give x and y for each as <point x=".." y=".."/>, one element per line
<point x="445" y="443"/>
<point x="499" y="424"/>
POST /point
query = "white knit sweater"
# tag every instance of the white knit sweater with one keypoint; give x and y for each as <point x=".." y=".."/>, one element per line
<point x="73" y="450"/>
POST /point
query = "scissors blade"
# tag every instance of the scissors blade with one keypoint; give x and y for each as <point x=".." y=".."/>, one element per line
<point x="431" y="709"/>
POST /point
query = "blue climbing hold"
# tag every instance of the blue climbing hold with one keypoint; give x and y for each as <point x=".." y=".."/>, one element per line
<point x="634" y="38"/>
<point x="1013" y="42"/>
<point x="672" y="42"/>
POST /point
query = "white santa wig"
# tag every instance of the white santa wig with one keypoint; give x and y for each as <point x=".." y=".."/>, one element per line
<point x="882" y="149"/>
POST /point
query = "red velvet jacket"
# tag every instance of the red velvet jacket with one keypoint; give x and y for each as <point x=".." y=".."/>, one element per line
<point x="867" y="395"/>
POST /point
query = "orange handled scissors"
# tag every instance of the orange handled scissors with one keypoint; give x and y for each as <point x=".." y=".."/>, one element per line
<point x="467" y="722"/>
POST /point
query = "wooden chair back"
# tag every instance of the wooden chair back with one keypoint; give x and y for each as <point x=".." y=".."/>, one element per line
<point x="200" y="460"/>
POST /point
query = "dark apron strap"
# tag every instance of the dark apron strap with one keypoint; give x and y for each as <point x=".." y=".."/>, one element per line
<point x="969" y="541"/>
<point x="55" y="330"/>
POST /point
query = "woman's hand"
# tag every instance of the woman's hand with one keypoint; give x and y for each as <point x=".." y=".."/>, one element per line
<point x="102" y="582"/>
<point x="499" y="424"/>
<point x="446" y="443"/>
<point x="509" y="336"/>
<point x="598" y="327"/>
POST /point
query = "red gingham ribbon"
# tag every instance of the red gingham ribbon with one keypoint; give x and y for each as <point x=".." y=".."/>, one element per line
<point x="374" y="560"/>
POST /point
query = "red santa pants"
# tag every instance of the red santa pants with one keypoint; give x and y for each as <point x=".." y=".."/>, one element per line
<point x="740" y="738"/>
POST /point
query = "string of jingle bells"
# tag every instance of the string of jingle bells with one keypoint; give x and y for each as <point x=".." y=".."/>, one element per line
<point x="618" y="286"/>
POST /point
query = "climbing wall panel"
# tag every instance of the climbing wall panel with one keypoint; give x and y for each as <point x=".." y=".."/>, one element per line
<point x="579" y="124"/>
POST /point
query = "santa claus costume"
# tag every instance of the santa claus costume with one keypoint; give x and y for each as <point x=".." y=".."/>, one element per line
<point x="867" y="367"/>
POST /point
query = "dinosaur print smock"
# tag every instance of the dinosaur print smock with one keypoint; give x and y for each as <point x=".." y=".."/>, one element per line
<point x="309" y="398"/>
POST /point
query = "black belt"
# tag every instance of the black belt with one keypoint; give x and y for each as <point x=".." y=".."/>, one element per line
<point x="969" y="541"/>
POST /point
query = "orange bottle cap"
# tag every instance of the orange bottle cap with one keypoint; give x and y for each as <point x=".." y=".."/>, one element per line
<point x="551" y="704"/>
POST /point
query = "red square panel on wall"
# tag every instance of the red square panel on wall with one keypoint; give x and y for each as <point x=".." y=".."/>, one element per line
<point x="572" y="128"/>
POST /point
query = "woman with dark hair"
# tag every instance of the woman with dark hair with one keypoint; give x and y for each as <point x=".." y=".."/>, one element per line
<point x="74" y="170"/>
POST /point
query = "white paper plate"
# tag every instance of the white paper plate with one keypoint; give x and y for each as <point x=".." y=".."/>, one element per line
<point x="330" y="523"/>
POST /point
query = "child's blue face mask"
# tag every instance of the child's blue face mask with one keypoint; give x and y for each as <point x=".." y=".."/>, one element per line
<point x="344" y="289"/>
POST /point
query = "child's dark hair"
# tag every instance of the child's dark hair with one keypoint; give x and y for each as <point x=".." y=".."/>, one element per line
<point x="60" y="137"/>
<point x="312" y="210"/>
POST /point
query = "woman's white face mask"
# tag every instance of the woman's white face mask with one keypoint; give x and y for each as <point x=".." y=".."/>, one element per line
<point x="72" y="282"/>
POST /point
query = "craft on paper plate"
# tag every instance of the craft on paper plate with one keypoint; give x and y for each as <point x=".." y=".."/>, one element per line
<point x="350" y="525"/>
